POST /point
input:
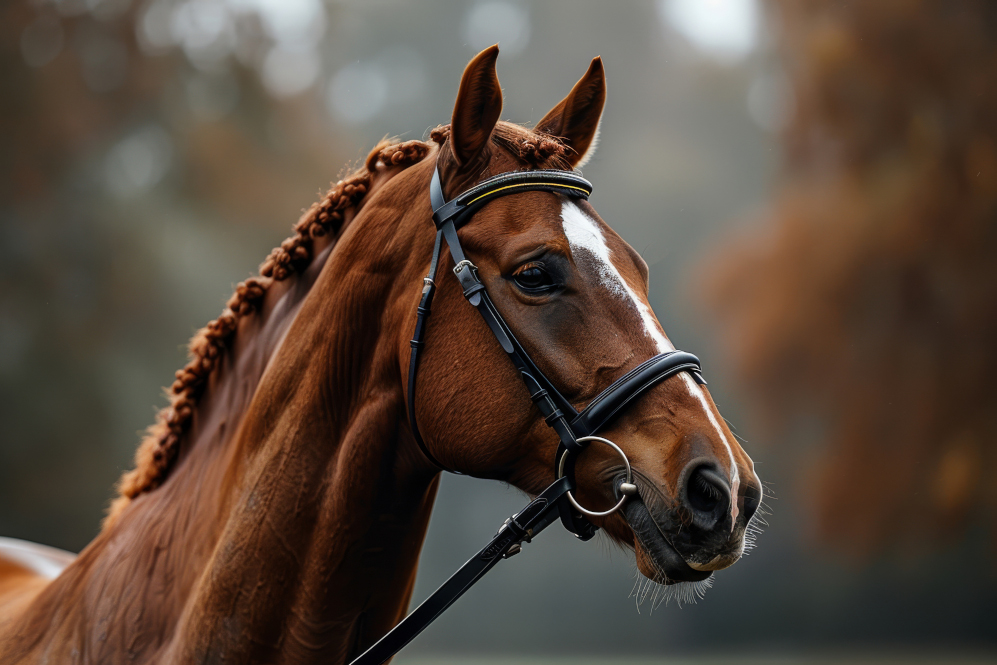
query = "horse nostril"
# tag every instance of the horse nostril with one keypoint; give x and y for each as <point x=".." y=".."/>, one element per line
<point x="707" y="493"/>
<point x="752" y="498"/>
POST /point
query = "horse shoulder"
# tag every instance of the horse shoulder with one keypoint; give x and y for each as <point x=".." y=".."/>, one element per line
<point x="25" y="569"/>
<point x="41" y="560"/>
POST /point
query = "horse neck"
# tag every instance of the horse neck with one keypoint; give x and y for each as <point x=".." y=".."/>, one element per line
<point x="293" y="523"/>
<point x="332" y="500"/>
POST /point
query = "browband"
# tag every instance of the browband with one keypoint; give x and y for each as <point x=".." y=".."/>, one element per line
<point x="463" y="206"/>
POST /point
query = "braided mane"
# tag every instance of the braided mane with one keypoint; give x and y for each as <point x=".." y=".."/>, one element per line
<point x="160" y="446"/>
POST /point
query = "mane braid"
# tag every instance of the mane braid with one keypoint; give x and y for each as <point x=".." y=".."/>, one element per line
<point x="537" y="149"/>
<point x="160" y="447"/>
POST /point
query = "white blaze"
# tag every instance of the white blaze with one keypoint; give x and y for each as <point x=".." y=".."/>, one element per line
<point x="735" y="480"/>
<point x="583" y="232"/>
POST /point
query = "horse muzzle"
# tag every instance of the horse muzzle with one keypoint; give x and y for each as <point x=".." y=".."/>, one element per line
<point x="685" y="540"/>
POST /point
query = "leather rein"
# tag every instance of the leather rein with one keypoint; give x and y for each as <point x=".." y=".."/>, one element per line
<point x="574" y="429"/>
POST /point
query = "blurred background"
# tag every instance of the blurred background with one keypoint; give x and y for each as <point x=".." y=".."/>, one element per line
<point x="814" y="187"/>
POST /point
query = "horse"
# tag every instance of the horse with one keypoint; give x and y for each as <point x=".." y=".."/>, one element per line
<point x="279" y="503"/>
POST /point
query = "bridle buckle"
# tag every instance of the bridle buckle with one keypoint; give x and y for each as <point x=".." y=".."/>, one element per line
<point x="457" y="269"/>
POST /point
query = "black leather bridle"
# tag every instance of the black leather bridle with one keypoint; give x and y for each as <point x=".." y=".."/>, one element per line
<point x="574" y="429"/>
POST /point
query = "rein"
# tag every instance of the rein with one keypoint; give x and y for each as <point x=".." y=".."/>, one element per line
<point x="574" y="429"/>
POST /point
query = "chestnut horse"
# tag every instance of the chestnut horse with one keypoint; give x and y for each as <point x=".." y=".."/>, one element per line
<point x="279" y="504"/>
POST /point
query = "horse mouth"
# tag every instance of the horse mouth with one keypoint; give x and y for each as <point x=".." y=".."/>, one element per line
<point x="656" y="557"/>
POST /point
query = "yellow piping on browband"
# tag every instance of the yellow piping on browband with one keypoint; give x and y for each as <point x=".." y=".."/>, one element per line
<point x="528" y="184"/>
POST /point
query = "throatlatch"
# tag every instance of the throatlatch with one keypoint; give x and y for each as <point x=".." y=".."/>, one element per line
<point x="574" y="429"/>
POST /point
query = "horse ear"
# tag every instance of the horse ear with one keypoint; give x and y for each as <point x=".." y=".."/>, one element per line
<point x="576" y="119"/>
<point x="478" y="106"/>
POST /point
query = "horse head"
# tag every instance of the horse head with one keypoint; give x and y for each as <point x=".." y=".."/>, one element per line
<point x="574" y="294"/>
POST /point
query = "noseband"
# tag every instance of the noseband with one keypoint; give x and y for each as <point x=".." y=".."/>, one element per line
<point x="574" y="429"/>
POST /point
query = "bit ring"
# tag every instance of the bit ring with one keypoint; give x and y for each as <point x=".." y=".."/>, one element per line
<point x="629" y="480"/>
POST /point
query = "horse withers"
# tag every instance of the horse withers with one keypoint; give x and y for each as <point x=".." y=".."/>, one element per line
<point x="278" y="504"/>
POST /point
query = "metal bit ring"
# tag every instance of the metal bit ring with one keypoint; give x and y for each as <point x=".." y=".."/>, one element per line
<point x="628" y="482"/>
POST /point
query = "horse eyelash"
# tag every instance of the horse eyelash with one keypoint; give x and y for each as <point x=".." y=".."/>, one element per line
<point x="532" y="264"/>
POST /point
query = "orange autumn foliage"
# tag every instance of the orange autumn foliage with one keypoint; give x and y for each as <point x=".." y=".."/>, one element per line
<point x="868" y="301"/>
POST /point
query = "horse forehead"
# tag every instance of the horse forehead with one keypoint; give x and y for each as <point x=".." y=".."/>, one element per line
<point x="538" y="211"/>
<point x="521" y="222"/>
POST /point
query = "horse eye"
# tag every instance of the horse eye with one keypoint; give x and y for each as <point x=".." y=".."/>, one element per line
<point x="533" y="278"/>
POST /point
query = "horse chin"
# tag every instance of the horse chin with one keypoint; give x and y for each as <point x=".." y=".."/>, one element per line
<point x="657" y="559"/>
<point x="718" y="562"/>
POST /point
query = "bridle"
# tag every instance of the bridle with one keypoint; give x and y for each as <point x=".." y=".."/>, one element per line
<point x="574" y="429"/>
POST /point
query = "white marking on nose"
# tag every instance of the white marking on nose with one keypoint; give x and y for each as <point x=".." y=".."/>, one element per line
<point x="735" y="480"/>
<point x="582" y="232"/>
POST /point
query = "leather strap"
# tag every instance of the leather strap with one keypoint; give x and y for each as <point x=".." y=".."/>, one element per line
<point x="524" y="525"/>
<point x="422" y="316"/>
<point x="555" y="408"/>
